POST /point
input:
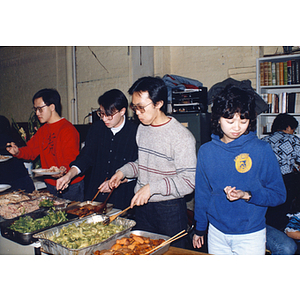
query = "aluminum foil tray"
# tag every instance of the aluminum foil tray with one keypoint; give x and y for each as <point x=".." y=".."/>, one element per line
<point x="108" y="244"/>
<point x="53" y="248"/>
<point x="27" y="237"/>
<point x="76" y="206"/>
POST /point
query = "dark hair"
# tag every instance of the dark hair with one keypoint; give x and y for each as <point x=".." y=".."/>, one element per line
<point x="227" y="103"/>
<point x="155" y="87"/>
<point x="283" y="121"/>
<point x="4" y="125"/>
<point x="113" y="100"/>
<point x="49" y="96"/>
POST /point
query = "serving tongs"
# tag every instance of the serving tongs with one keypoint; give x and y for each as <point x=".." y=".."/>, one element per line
<point x="170" y="240"/>
<point x="100" y="208"/>
<point x="108" y="220"/>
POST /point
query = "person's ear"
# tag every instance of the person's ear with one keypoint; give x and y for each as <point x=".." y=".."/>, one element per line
<point x="52" y="107"/>
<point x="123" y="111"/>
<point x="159" y="104"/>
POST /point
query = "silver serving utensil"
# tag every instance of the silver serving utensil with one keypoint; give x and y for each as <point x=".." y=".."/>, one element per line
<point x="108" y="220"/>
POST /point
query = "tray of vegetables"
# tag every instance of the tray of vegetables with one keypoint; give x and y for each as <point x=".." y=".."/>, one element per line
<point x="22" y="229"/>
<point x="81" y="236"/>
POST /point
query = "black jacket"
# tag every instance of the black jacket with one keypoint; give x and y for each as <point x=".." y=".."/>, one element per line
<point x="102" y="155"/>
<point x="13" y="171"/>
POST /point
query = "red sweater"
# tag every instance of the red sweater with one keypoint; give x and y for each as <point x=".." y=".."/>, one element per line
<point x="57" y="144"/>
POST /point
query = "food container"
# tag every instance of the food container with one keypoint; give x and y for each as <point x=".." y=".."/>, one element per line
<point x="77" y="208"/>
<point x="15" y="204"/>
<point x="54" y="248"/>
<point x="27" y="238"/>
<point x="108" y="244"/>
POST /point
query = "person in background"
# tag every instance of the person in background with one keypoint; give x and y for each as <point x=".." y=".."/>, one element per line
<point x="292" y="228"/>
<point x="109" y="144"/>
<point x="12" y="171"/>
<point x="286" y="147"/>
<point x="165" y="168"/>
<point x="237" y="178"/>
<point x="56" y="142"/>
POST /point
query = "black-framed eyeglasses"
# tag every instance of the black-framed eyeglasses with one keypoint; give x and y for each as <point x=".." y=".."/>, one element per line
<point x="140" y="108"/>
<point x="39" y="108"/>
<point x="101" y="114"/>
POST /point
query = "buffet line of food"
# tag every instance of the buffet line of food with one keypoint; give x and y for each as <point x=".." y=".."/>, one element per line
<point x="63" y="227"/>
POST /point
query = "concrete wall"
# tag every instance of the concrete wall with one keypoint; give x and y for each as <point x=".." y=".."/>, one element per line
<point x="210" y="65"/>
<point x="25" y="70"/>
<point x="100" y="69"/>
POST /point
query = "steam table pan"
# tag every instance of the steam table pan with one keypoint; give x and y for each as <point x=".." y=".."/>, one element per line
<point x="54" y="248"/>
<point x="27" y="238"/>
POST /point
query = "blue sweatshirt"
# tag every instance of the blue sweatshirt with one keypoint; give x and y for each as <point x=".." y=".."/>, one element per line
<point x="246" y="163"/>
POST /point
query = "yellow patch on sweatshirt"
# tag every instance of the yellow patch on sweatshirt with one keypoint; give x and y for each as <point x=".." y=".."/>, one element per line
<point x="243" y="163"/>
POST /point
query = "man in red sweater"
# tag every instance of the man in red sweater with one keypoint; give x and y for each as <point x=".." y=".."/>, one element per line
<point x="57" y="142"/>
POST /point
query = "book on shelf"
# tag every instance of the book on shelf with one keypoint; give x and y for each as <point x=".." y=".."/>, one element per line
<point x="266" y="73"/>
<point x="297" y="74"/>
<point x="280" y="73"/>
<point x="282" y="102"/>
<point x="289" y="72"/>
<point x="262" y="73"/>
<point x="285" y="73"/>
<point x="277" y="73"/>
<point x="273" y="71"/>
<point x="270" y="73"/>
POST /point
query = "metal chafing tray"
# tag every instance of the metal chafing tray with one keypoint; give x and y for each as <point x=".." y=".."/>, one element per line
<point x="53" y="248"/>
<point x="59" y="203"/>
<point x="27" y="238"/>
<point x="95" y="204"/>
<point x="108" y="244"/>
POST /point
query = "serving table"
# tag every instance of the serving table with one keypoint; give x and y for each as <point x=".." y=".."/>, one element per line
<point x="181" y="251"/>
<point x="171" y="251"/>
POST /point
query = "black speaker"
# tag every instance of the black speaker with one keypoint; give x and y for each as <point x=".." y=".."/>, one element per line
<point x="198" y="124"/>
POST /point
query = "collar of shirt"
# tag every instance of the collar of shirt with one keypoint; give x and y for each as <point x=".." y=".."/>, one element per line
<point x="117" y="129"/>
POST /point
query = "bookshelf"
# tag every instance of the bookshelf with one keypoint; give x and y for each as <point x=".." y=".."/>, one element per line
<point x="279" y="85"/>
<point x="265" y="121"/>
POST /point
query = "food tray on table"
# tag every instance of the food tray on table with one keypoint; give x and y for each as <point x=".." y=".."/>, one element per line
<point x="18" y="203"/>
<point x="154" y="236"/>
<point x="27" y="237"/>
<point x="87" y="208"/>
<point x="52" y="247"/>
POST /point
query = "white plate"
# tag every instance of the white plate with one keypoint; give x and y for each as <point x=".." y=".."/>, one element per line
<point x="4" y="187"/>
<point x="7" y="157"/>
<point x="44" y="172"/>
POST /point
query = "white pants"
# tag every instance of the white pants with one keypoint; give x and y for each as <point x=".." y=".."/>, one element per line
<point x="232" y="244"/>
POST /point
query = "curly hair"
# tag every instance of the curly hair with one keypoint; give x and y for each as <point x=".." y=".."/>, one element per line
<point x="227" y="103"/>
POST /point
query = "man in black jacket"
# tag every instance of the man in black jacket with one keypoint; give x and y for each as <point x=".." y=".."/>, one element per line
<point x="110" y="143"/>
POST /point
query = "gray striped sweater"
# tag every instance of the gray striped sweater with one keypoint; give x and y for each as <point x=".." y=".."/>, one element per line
<point x="166" y="161"/>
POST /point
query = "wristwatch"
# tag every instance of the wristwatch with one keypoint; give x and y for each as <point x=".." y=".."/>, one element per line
<point x="250" y="196"/>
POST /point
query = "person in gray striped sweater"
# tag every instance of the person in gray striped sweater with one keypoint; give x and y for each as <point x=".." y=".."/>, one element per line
<point x="166" y="164"/>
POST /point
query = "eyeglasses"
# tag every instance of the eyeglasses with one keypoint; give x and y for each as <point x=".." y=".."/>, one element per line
<point x="140" y="108"/>
<point x="101" y="114"/>
<point x="39" y="108"/>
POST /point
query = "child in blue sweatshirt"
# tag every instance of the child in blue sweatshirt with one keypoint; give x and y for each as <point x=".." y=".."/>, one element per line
<point x="237" y="178"/>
